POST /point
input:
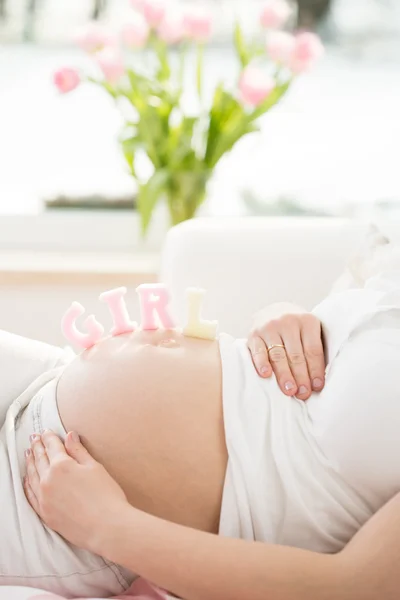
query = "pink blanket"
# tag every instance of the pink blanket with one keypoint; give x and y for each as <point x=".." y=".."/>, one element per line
<point x="140" y="590"/>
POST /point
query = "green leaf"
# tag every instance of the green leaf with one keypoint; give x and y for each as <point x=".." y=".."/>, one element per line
<point x="275" y="96"/>
<point x="242" y="50"/>
<point x="229" y="121"/>
<point x="154" y="103"/>
<point x="199" y="70"/>
<point x="182" y="63"/>
<point x="108" y="87"/>
<point x="226" y="116"/>
<point x="181" y="151"/>
<point x="257" y="50"/>
<point x="244" y="124"/>
<point x="138" y="91"/>
<point x="215" y="124"/>
<point x="229" y="140"/>
<point x="161" y="50"/>
<point x="130" y="146"/>
<point x="149" y="194"/>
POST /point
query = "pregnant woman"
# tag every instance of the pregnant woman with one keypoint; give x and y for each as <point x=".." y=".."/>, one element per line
<point x="190" y="435"/>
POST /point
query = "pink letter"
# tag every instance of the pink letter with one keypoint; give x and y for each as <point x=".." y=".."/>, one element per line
<point x="154" y="298"/>
<point x="119" y="312"/>
<point x="69" y="329"/>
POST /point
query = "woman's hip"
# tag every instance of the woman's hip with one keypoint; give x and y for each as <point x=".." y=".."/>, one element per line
<point x="30" y="553"/>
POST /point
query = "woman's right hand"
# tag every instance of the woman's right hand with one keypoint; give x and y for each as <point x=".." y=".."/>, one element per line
<point x="70" y="491"/>
<point x="296" y="354"/>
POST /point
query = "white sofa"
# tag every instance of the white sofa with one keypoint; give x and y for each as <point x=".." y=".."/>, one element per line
<point x="243" y="263"/>
<point x="247" y="263"/>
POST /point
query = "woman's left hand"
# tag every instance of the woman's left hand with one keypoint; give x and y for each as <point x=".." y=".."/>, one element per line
<point x="286" y="340"/>
<point x="70" y="491"/>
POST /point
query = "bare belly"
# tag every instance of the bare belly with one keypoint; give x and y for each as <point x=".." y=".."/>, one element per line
<point x="151" y="412"/>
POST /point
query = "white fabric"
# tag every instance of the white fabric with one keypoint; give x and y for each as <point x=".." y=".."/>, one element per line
<point x="245" y="264"/>
<point x="9" y="592"/>
<point x="21" y="362"/>
<point x="30" y="553"/>
<point x="375" y="253"/>
<point x="310" y="474"/>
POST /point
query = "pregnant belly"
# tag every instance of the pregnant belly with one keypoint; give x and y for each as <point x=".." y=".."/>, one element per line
<point x="148" y="406"/>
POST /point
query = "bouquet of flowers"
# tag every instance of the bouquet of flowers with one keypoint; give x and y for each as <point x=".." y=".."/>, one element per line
<point x="185" y="147"/>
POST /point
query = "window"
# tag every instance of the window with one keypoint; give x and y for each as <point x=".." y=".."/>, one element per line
<point x="331" y="145"/>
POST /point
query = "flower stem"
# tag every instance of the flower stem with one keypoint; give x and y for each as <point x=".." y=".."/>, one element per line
<point x="182" y="63"/>
<point x="200" y="65"/>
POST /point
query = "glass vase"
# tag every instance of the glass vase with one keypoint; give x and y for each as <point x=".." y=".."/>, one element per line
<point x="185" y="194"/>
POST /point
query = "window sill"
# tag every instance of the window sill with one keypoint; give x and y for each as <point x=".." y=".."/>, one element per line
<point x="79" y="247"/>
<point x="73" y="230"/>
<point x="19" y="268"/>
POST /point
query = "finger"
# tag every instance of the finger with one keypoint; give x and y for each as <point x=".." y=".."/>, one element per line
<point x="31" y="472"/>
<point x="53" y="445"/>
<point x="76" y="450"/>
<point x="39" y="455"/>
<point x="279" y="363"/>
<point x="30" y="496"/>
<point x="311" y="337"/>
<point x="297" y="362"/>
<point x="259" y="354"/>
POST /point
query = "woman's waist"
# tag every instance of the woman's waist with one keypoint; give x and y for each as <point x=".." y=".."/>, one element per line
<point x="149" y="408"/>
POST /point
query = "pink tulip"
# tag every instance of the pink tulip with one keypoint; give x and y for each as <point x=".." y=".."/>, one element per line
<point x="307" y="51"/>
<point x="153" y="11"/>
<point x="280" y="47"/>
<point x="135" y="34"/>
<point x="255" y="86"/>
<point x="111" y="63"/>
<point x="198" y="24"/>
<point x="172" y="30"/>
<point x="66" y="80"/>
<point x="275" y="14"/>
<point x="93" y="38"/>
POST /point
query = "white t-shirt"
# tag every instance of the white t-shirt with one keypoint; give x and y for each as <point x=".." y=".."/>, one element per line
<point x="309" y="474"/>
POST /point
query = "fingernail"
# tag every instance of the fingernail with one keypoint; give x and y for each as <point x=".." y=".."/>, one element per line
<point x="289" y="386"/>
<point x="47" y="431"/>
<point x="34" y="437"/>
<point x="317" y="382"/>
<point x="264" y="370"/>
<point x="27" y="453"/>
<point x="302" y="390"/>
<point x="75" y="437"/>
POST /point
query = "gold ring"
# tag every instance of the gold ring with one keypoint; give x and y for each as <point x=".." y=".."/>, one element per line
<point x="276" y="346"/>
